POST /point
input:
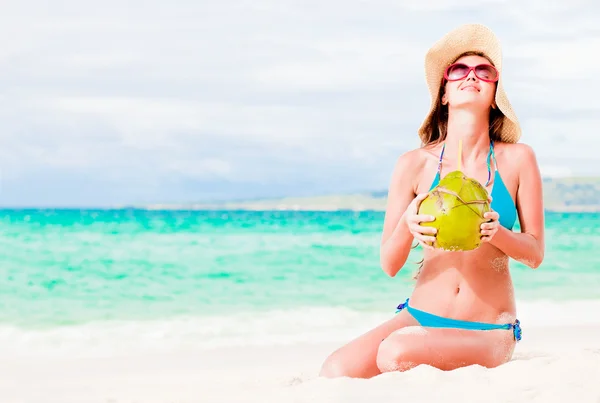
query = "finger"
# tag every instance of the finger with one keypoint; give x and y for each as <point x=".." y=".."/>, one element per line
<point x="491" y="215"/>
<point x="423" y="218"/>
<point x="425" y="245"/>
<point x="422" y="237"/>
<point x="489" y="232"/>
<point x="485" y="239"/>
<point x="488" y="225"/>
<point x="425" y="230"/>
<point x="425" y="238"/>
<point x="418" y="218"/>
<point x="420" y="229"/>
<point x="421" y="196"/>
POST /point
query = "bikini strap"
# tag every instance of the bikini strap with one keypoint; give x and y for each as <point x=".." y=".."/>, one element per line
<point x="491" y="155"/>
<point x="441" y="158"/>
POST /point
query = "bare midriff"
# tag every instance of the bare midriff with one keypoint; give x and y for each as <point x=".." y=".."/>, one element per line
<point x="472" y="286"/>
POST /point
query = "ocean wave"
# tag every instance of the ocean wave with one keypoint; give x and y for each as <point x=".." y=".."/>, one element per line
<point x="238" y="329"/>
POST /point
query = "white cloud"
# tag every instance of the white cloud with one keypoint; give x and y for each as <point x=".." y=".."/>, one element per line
<point x="348" y="63"/>
<point x="560" y="138"/>
<point x="561" y="59"/>
<point x="542" y="17"/>
<point x="447" y="5"/>
<point x="231" y="89"/>
<point x="142" y="121"/>
<point x="206" y="168"/>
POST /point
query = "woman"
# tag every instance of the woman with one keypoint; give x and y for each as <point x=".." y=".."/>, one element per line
<point x="462" y="310"/>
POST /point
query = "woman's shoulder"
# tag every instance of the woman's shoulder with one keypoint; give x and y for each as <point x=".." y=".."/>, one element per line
<point x="514" y="149"/>
<point x="524" y="154"/>
<point x="411" y="163"/>
<point x="417" y="158"/>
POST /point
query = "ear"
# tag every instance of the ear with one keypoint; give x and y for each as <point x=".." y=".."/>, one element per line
<point x="444" y="100"/>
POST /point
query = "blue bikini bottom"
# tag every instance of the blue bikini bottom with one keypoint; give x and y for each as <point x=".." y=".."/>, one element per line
<point x="427" y="319"/>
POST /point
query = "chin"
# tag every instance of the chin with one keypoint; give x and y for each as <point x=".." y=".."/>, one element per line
<point x="473" y="101"/>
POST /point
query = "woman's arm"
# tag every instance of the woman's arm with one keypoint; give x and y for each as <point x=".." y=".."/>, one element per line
<point x="396" y="238"/>
<point x="527" y="246"/>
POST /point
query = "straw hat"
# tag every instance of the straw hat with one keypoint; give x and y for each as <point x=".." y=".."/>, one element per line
<point x="468" y="37"/>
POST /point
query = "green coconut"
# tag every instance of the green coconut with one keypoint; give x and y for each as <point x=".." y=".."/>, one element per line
<point x="458" y="204"/>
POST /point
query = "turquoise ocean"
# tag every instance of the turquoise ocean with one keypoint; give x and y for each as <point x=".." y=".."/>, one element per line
<point x="100" y="280"/>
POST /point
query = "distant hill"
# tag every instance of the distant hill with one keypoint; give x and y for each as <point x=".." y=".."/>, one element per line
<point x="572" y="194"/>
<point x="560" y="194"/>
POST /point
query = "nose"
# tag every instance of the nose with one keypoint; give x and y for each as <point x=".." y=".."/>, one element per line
<point x="472" y="75"/>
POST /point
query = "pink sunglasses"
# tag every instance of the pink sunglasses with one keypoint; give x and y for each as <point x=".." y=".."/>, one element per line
<point x="484" y="72"/>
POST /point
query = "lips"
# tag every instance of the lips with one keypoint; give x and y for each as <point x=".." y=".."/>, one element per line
<point x="471" y="87"/>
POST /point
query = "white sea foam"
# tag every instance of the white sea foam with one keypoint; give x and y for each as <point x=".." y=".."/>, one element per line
<point x="277" y="327"/>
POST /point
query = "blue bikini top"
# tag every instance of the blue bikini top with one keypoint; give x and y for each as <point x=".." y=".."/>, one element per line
<point x="502" y="202"/>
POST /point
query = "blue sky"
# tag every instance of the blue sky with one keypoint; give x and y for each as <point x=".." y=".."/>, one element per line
<point x="154" y="101"/>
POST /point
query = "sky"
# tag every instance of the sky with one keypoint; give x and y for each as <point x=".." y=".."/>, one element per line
<point x="112" y="103"/>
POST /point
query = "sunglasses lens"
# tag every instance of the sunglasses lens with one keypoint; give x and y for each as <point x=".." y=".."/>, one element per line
<point x="485" y="72"/>
<point x="457" y="71"/>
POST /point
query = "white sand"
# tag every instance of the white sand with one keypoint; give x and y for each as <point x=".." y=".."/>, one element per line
<point x="549" y="365"/>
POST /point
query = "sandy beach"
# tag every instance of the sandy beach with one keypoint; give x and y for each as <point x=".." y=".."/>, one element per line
<point x="550" y="364"/>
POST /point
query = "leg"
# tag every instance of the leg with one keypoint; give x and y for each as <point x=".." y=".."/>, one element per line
<point x="358" y="358"/>
<point x="445" y="349"/>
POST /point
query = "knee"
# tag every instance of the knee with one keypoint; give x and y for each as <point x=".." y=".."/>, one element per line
<point x="334" y="367"/>
<point x="394" y="354"/>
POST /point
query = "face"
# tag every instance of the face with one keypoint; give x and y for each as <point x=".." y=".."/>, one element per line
<point x="472" y="91"/>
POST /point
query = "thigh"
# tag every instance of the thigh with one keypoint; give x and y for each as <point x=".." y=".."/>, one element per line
<point x="445" y="349"/>
<point x="358" y="358"/>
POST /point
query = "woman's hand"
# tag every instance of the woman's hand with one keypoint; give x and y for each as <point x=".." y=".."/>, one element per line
<point x="413" y="219"/>
<point x="489" y="229"/>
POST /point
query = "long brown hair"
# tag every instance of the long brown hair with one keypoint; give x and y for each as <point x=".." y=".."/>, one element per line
<point x="436" y="128"/>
